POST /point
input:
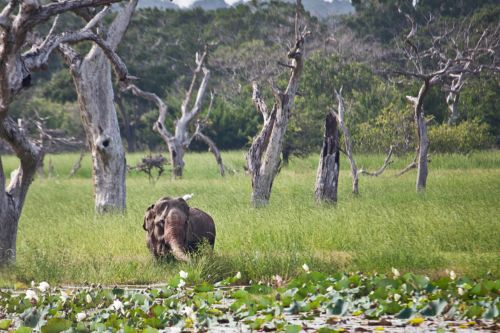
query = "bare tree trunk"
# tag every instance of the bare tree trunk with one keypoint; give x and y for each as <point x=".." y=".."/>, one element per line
<point x="348" y="144"/>
<point x="327" y="177"/>
<point x="95" y="95"/>
<point x="93" y="82"/>
<point x="12" y="198"/>
<point x="263" y="158"/>
<point x="176" y="150"/>
<point x="423" y="139"/>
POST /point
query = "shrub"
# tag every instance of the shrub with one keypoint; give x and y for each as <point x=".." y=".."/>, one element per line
<point x="462" y="138"/>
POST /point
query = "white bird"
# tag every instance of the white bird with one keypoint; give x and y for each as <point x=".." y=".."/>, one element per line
<point x="186" y="197"/>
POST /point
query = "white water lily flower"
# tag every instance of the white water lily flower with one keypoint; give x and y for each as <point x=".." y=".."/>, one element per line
<point x="395" y="272"/>
<point x="397" y="297"/>
<point x="238" y="275"/>
<point x="117" y="305"/>
<point x="31" y="294"/>
<point x="183" y="274"/>
<point x="88" y="299"/>
<point x="81" y="316"/>
<point x="305" y="268"/>
<point x="453" y="276"/>
<point x="181" y="284"/>
<point x="64" y="296"/>
<point x="33" y="284"/>
<point x="43" y="286"/>
<point x="329" y="289"/>
<point x="460" y="291"/>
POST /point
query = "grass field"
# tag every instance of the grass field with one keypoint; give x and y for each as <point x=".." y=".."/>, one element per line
<point x="454" y="225"/>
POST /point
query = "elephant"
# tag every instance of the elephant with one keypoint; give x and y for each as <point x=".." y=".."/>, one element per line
<point x="174" y="227"/>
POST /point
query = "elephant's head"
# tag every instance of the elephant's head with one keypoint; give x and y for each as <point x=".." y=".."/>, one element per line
<point x="173" y="219"/>
<point x="168" y="223"/>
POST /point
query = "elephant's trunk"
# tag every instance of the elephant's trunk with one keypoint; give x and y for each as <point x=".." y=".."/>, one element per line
<point x="178" y="252"/>
<point x="175" y="233"/>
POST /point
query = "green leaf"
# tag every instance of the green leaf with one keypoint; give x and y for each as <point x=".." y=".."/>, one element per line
<point x="24" y="329"/>
<point x="293" y="329"/>
<point x="5" y="324"/>
<point x="434" y="308"/>
<point x="203" y="287"/>
<point x="406" y="313"/>
<point x="56" y="325"/>
<point x="149" y="330"/>
<point x="339" y="308"/>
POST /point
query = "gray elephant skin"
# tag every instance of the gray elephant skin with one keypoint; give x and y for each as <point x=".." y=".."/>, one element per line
<point x="175" y="228"/>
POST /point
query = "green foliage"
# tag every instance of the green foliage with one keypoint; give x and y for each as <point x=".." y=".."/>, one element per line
<point x="463" y="138"/>
<point x="410" y="299"/>
<point x="393" y="126"/>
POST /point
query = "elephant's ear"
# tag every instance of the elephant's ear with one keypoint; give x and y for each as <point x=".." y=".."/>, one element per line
<point x="149" y="218"/>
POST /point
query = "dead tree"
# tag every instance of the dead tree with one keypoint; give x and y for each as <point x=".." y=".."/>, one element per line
<point x="212" y="147"/>
<point x="327" y="176"/>
<point x="178" y="142"/>
<point x="474" y="57"/>
<point x="355" y="173"/>
<point x="263" y="158"/>
<point x="93" y="82"/>
<point x="347" y="140"/>
<point x="433" y="66"/>
<point x="18" y="21"/>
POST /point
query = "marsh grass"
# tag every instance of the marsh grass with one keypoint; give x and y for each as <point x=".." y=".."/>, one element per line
<point x="454" y="225"/>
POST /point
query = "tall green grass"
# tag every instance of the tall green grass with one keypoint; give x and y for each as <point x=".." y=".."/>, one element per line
<point x="454" y="225"/>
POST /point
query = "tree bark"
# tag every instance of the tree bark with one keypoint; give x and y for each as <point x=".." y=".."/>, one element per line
<point x="327" y="177"/>
<point x="93" y="82"/>
<point x="12" y="198"/>
<point x="423" y="139"/>
<point x="95" y="96"/>
<point x="263" y="158"/>
<point x="348" y="144"/>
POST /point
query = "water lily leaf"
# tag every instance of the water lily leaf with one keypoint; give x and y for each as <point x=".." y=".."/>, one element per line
<point x="5" y="324"/>
<point x="406" y="313"/>
<point x="293" y="329"/>
<point x="56" y="325"/>
<point x="149" y="330"/>
<point x="339" y="308"/>
<point x="203" y="288"/>
<point x="24" y="329"/>
<point x="474" y="311"/>
<point x="492" y="312"/>
<point x="434" y="308"/>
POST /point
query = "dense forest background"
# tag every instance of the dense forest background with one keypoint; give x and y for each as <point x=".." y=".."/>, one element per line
<point x="354" y="51"/>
